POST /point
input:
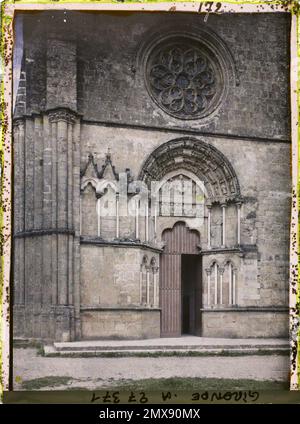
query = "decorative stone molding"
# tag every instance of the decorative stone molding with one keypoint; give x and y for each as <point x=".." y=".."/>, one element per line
<point x="120" y="243"/>
<point x="200" y="158"/>
<point x="119" y="308"/>
<point x="235" y="308"/>
<point x="227" y="262"/>
<point x="91" y="162"/>
<point x="44" y="232"/>
<point x="219" y="250"/>
<point x="153" y="262"/>
<point x="208" y="271"/>
<point x="221" y="270"/>
<point x="98" y="174"/>
<point x="18" y="122"/>
<point x="62" y="114"/>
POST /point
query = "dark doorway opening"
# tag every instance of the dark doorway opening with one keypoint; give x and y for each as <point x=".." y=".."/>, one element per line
<point x="180" y="282"/>
<point x="190" y="294"/>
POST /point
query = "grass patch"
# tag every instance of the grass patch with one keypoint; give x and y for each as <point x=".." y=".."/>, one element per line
<point x="195" y="384"/>
<point x="162" y="384"/>
<point x="40" y="351"/>
<point x="27" y="343"/>
<point x="49" y="381"/>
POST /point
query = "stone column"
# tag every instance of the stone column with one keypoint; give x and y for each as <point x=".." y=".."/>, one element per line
<point x="141" y="285"/>
<point x="146" y="222"/>
<point x="155" y="287"/>
<point x="80" y="215"/>
<point x="208" y="226"/>
<point x="19" y="211"/>
<point x="155" y="220"/>
<point x="148" y="286"/>
<point x="62" y="127"/>
<point x="221" y="271"/>
<point x="234" y="286"/>
<point x="208" y="273"/>
<point x="216" y="284"/>
<point x="64" y="139"/>
<point x="137" y="212"/>
<point x="230" y="283"/>
<point x="47" y="183"/>
<point x="238" y="207"/>
<point x="223" y="206"/>
<point x="117" y="216"/>
<point x="98" y="216"/>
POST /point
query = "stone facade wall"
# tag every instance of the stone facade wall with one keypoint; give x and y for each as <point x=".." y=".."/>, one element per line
<point x="256" y="106"/>
<point x="88" y="115"/>
<point x="264" y="176"/>
<point x="245" y="324"/>
<point x="110" y="276"/>
<point x="120" y="324"/>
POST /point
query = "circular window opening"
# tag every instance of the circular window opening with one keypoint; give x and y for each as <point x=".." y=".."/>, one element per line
<point x="184" y="78"/>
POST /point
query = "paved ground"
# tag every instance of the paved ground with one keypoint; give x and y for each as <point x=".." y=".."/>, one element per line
<point x="93" y="373"/>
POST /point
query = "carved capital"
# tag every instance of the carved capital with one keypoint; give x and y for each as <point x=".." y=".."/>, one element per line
<point x="62" y="114"/>
<point x="18" y="122"/>
<point x="208" y="271"/>
<point x="221" y="271"/>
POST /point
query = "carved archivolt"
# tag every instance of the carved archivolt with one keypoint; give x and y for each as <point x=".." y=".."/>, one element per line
<point x="202" y="159"/>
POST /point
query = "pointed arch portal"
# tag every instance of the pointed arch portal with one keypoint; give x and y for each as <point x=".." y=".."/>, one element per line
<point x="180" y="277"/>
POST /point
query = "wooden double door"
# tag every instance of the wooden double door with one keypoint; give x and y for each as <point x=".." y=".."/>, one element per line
<point x="180" y="282"/>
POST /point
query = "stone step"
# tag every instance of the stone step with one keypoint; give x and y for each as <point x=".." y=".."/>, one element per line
<point x="103" y="348"/>
<point x="167" y="346"/>
<point x="51" y="351"/>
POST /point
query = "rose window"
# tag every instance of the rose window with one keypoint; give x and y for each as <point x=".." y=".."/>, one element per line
<point x="183" y="80"/>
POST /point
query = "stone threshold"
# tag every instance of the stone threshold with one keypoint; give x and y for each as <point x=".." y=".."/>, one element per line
<point x="51" y="352"/>
<point x="185" y="345"/>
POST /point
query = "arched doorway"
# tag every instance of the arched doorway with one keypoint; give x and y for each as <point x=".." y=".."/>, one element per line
<point x="180" y="282"/>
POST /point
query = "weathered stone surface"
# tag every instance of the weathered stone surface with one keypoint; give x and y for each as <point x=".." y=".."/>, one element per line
<point x="245" y="324"/>
<point x="88" y="117"/>
<point x="131" y="324"/>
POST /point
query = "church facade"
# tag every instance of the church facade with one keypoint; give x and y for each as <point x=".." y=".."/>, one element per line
<point x="152" y="176"/>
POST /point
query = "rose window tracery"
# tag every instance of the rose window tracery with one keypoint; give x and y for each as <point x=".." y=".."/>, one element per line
<point x="183" y="80"/>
